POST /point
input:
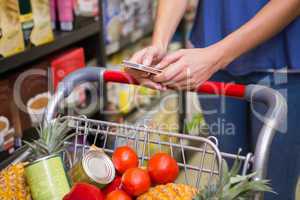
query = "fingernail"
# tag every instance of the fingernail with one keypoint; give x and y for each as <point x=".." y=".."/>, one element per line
<point x="147" y="62"/>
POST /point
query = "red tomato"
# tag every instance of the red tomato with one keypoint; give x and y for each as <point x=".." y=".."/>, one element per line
<point x="118" y="195"/>
<point x="136" y="181"/>
<point x="124" y="158"/>
<point x="163" y="168"/>
<point x="114" y="185"/>
<point x="84" y="191"/>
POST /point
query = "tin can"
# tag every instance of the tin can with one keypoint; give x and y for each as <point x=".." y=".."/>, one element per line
<point x="47" y="178"/>
<point x="95" y="168"/>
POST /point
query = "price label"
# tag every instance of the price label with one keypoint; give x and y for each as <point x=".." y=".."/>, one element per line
<point x="137" y="35"/>
<point x="113" y="47"/>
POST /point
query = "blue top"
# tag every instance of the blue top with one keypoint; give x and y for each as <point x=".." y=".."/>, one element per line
<point x="216" y="19"/>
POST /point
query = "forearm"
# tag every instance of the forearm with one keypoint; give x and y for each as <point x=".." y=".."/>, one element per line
<point x="274" y="17"/>
<point x="169" y="15"/>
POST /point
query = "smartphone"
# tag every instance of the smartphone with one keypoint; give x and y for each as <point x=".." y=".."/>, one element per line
<point x="141" y="67"/>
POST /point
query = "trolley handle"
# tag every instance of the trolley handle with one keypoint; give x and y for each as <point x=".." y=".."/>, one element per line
<point x="274" y="117"/>
<point x="209" y="87"/>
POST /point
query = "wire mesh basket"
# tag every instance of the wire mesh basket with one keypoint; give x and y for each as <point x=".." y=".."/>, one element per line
<point x="199" y="158"/>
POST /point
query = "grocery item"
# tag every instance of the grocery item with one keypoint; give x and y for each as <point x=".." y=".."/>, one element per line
<point x="112" y="20"/>
<point x="46" y="175"/>
<point x="36" y="107"/>
<point x="53" y="13"/>
<point x="124" y="158"/>
<point x="84" y="191"/>
<point x="8" y="121"/>
<point x="170" y="191"/>
<point x="136" y="181"/>
<point x="162" y="168"/>
<point x="233" y="186"/>
<point x="118" y="195"/>
<point x="26" y="19"/>
<point x="87" y="8"/>
<point x="114" y="185"/>
<point x="65" y="15"/>
<point x="13" y="184"/>
<point x="27" y="85"/>
<point x="65" y="63"/>
<point x="47" y="178"/>
<point x="95" y="167"/>
<point x="42" y="31"/>
<point x="11" y="36"/>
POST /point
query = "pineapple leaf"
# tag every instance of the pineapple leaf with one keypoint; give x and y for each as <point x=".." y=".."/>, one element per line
<point x="233" y="186"/>
<point x="52" y="137"/>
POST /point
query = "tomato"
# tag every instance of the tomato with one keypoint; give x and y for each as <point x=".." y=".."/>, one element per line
<point x="162" y="168"/>
<point x="118" y="195"/>
<point x="84" y="191"/>
<point x="136" y="181"/>
<point x="114" y="185"/>
<point x="124" y="158"/>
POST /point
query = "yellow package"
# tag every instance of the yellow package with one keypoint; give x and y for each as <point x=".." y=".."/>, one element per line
<point x="42" y="31"/>
<point x="126" y="100"/>
<point x="11" y="36"/>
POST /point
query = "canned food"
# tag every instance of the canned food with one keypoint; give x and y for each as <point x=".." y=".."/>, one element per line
<point x="95" y="167"/>
<point x="47" y="178"/>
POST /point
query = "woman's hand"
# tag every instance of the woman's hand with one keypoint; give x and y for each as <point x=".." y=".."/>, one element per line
<point x="151" y="55"/>
<point x="186" y="69"/>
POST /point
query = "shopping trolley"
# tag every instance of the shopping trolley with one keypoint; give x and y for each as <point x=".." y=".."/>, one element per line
<point x="181" y="146"/>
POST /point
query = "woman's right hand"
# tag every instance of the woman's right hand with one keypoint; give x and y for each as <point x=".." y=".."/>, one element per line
<point x="151" y="55"/>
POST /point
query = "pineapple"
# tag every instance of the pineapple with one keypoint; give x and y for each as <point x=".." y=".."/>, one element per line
<point x="230" y="187"/>
<point x="233" y="186"/>
<point x="170" y="191"/>
<point x="51" y="140"/>
<point x="12" y="183"/>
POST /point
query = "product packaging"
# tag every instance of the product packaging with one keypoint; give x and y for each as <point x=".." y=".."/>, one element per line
<point x="66" y="63"/>
<point x="7" y="130"/>
<point x="63" y="65"/>
<point x="53" y="13"/>
<point x="11" y="36"/>
<point x="112" y="20"/>
<point x="144" y="14"/>
<point x="31" y="95"/>
<point x="26" y="19"/>
<point x="65" y="14"/>
<point x="87" y="8"/>
<point x="127" y="16"/>
<point x="42" y="31"/>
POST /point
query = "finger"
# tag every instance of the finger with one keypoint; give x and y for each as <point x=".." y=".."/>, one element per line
<point x="169" y="73"/>
<point x="136" y="73"/>
<point x="150" y="84"/>
<point x="149" y="56"/>
<point x="138" y="56"/>
<point x="168" y="60"/>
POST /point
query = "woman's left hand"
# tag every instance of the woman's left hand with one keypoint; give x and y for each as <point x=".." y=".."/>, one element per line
<point x="186" y="69"/>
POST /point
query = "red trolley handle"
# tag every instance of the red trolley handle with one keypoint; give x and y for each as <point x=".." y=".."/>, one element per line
<point x="209" y="87"/>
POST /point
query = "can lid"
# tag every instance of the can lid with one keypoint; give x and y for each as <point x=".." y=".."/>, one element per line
<point x="98" y="166"/>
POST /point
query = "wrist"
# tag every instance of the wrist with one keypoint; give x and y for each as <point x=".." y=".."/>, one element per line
<point x="229" y="50"/>
<point x="162" y="46"/>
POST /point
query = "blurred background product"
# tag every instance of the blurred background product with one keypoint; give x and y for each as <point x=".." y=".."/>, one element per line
<point x="26" y="18"/>
<point x="11" y="40"/>
<point x="42" y="29"/>
<point x="65" y="15"/>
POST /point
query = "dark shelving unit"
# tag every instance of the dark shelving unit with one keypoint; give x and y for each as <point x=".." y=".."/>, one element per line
<point x="85" y="28"/>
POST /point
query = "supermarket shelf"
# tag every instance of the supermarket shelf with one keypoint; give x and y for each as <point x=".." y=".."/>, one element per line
<point x="131" y="39"/>
<point x="85" y="27"/>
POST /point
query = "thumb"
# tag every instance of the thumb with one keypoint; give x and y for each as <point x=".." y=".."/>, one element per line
<point x="148" y="57"/>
